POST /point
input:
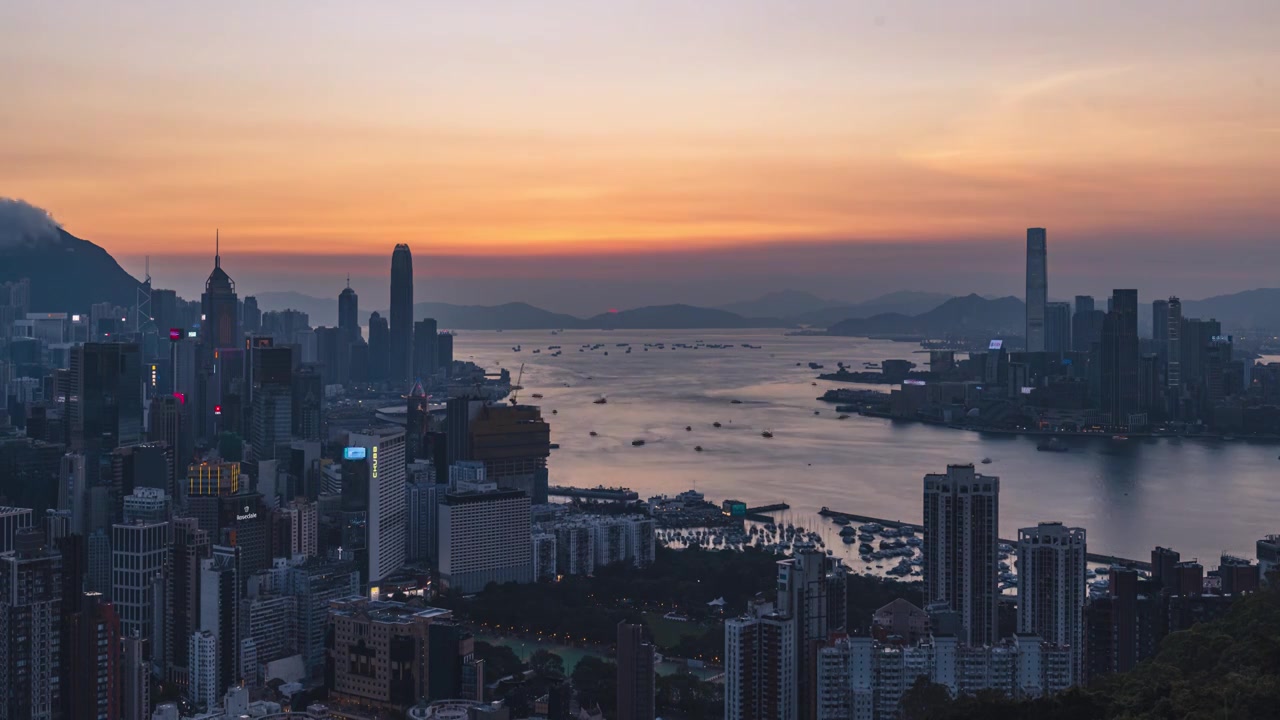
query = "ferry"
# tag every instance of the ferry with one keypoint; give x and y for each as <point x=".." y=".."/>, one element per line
<point x="593" y="433"/>
<point x="766" y="434"/>
<point x="986" y="461"/>
<point x="637" y="443"/>
<point x="715" y="424"/>
<point x="537" y="395"/>
<point x="601" y="401"/>
<point x="697" y="448"/>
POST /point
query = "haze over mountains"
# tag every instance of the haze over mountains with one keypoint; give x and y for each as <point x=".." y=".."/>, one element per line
<point x="68" y="274"/>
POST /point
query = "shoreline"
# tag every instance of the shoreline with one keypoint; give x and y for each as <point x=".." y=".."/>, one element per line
<point x="1224" y="437"/>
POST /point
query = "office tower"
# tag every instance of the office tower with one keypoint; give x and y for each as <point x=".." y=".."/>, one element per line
<point x="636" y="674"/>
<point x="334" y="353"/>
<point x="514" y="443"/>
<point x="135" y="688"/>
<point x="1160" y="325"/>
<point x="203" y="686"/>
<point x="145" y="505"/>
<point x="485" y="536"/>
<point x="270" y="622"/>
<point x="139" y="556"/>
<point x="811" y="591"/>
<point x="91" y="686"/>
<point x="31" y="655"/>
<point x="1051" y="587"/>
<point x="425" y="354"/>
<point x="271" y="430"/>
<point x="220" y="582"/>
<point x="379" y="652"/>
<point x="423" y="499"/>
<point x="349" y="313"/>
<point x="1037" y="288"/>
<point x="139" y="466"/>
<point x="1082" y="330"/>
<point x="401" y="340"/>
<point x="450" y="652"/>
<point x="190" y="548"/>
<point x="252" y="321"/>
<point x="379" y="347"/>
<point x="444" y="353"/>
<point x="106" y="397"/>
<point x="12" y="521"/>
<point x="1173" y="349"/>
<point x="1217" y="354"/>
<point x="760" y="680"/>
<point x="457" y="428"/>
<point x="384" y="456"/>
<point x="317" y="583"/>
<point x="169" y="423"/>
<point x="961" y="526"/>
<point x="544" y="556"/>
<point x="1057" y="327"/>
<point x="415" y="423"/>
<point x="308" y="404"/>
<point x="220" y="323"/>
<point x="302" y="518"/>
<point x="1119" y="360"/>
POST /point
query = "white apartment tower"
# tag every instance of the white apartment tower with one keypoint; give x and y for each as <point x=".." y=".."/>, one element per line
<point x="1051" y="586"/>
<point x="961" y="554"/>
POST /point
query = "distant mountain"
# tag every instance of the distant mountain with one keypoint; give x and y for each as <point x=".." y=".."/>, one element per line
<point x="320" y="311"/>
<point x="903" y="302"/>
<point x="971" y="314"/>
<point x="67" y="274"/>
<point x="676" y="317"/>
<point x="781" y="304"/>
<point x="510" y="316"/>
<point x="1247" y="310"/>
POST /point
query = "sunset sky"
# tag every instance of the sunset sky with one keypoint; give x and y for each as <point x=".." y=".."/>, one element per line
<point x="641" y="151"/>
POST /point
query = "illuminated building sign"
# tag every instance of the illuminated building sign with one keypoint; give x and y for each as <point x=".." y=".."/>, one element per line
<point x="374" y="472"/>
<point x="995" y="345"/>
<point x="247" y="515"/>
<point x="353" y="453"/>
<point x="217" y="409"/>
<point x="175" y="334"/>
<point x="191" y="333"/>
<point x="913" y="382"/>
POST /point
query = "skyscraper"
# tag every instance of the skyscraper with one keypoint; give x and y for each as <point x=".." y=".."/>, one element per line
<point x="379" y="347"/>
<point x="31" y="655"/>
<point x="485" y="536"/>
<point x="425" y="334"/>
<point x="760" y="665"/>
<point x="349" y="313"/>
<point x="401" y="341"/>
<point x="1051" y="587"/>
<point x="1057" y="327"/>
<point x="92" y="687"/>
<point x="220" y="326"/>
<point x="1037" y="288"/>
<point x="636" y="684"/>
<point x="139" y="556"/>
<point x="1120" y="359"/>
<point x="105" y="402"/>
<point x="1173" y="349"/>
<point x="961" y="526"/>
<point x="387" y="516"/>
<point x="1086" y="324"/>
<point x="251" y="322"/>
<point x="1160" y="324"/>
<point x="811" y="592"/>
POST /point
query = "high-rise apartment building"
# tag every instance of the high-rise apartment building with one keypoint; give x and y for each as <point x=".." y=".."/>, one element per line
<point x="220" y="582"/>
<point x="1173" y="349"/>
<point x="387" y="516"/>
<point x="401" y="339"/>
<point x="190" y="548"/>
<point x="135" y="680"/>
<point x="1037" y="288"/>
<point x="812" y="592"/>
<point x="961" y="553"/>
<point x="92" y="658"/>
<point x="760" y="681"/>
<point x="485" y="536"/>
<point x="636" y="674"/>
<point x="1052" y="587"/>
<point x="31" y="654"/>
<point x="203" y="687"/>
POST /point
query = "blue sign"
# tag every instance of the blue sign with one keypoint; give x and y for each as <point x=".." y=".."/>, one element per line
<point x="353" y="453"/>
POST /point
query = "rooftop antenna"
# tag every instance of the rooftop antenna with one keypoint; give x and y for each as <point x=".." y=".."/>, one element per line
<point x="348" y="280"/>
<point x="217" y="249"/>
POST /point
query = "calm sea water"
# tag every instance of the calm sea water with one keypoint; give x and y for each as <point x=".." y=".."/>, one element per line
<point x="1199" y="497"/>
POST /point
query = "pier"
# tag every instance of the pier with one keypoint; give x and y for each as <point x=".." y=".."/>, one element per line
<point x="619" y="494"/>
<point x="758" y="514"/>
<point x="1091" y="557"/>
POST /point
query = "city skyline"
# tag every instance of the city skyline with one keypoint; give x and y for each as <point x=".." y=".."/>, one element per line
<point x="757" y="142"/>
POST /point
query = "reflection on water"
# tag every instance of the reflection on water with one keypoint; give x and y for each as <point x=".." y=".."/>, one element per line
<point x="1199" y="497"/>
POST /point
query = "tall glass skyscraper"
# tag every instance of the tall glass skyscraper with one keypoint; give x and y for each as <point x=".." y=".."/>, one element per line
<point x="349" y="312"/>
<point x="1037" y="288"/>
<point x="401" y="362"/>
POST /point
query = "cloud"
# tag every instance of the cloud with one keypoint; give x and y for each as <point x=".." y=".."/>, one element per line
<point x="24" y="224"/>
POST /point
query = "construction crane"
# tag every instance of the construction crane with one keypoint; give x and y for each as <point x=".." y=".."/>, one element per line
<point x="515" y="389"/>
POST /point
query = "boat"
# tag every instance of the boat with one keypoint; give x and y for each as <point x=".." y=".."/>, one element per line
<point x="814" y="384"/>
<point x="1052" y="445"/>
<point x="555" y="412"/>
<point x="766" y="434"/>
<point x="843" y="417"/>
<point x="593" y="433"/>
<point x="715" y="424"/>
<point x="815" y="412"/>
<point x="735" y="401"/>
<point x="537" y="395"/>
<point x="601" y="401"/>
<point x="698" y="448"/>
<point x="637" y="443"/>
<point x="986" y="461"/>
<point x="688" y="428"/>
<point x="554" y="446"/>
<point x="1119" y="437"/>
<point x="849" y="539"/>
